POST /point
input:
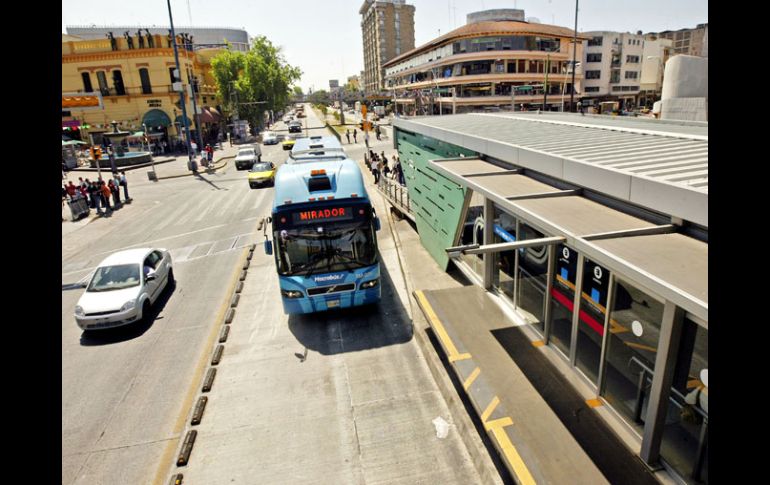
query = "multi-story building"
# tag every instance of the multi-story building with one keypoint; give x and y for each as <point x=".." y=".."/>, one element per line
<point x="387" y="27"/>
<point x="612" y="65"/>
<point x="654" y="56"/>
<point x="203" y="37"/>
<point x="691" y="42"/>
<point x="475" y="67"/>
<point x="134" y="79"/>
<point x="354" y="82"/>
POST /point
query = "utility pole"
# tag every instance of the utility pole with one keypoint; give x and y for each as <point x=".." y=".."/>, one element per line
<point x="193" y="84"/>
<point x="574" y="54"/>
<point x="181" y="93"/>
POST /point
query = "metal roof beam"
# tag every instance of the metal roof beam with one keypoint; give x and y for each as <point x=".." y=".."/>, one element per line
<point x="485" y="174"/>
<point x="506" y="246"/>
<point x="545" y="195"/>
<point x="645" y="231"/>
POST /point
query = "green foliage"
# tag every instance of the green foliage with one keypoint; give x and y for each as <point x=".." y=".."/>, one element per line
<point x="259" y="75"/>
<point x="319" y="97"/>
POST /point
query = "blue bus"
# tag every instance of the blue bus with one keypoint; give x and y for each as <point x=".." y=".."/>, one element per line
<point x="324" y="233"/>
<point x="316" y="148"/>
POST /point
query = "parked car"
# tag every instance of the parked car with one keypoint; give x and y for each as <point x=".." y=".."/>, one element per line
<point x="269" y="138"/>
<point x="262" y="173"/>
<point x="123" y="288"/>
<point x="247" y="157"/>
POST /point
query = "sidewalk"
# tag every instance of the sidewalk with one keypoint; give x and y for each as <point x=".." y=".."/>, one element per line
<point x="165" y="168"/>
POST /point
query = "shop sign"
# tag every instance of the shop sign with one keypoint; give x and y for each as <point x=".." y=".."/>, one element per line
<point x="154" y="103"/>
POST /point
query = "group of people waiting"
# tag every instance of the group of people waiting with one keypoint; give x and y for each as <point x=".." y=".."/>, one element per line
<point x="378" y="164"/>
<point x="98" y="193"/>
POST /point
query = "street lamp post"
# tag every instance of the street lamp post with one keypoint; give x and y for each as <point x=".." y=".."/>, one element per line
<point x="574" y="59"/>
<point x="181" y="93"/>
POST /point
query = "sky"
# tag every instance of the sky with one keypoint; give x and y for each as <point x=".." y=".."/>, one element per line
<point x="323" y="37"/>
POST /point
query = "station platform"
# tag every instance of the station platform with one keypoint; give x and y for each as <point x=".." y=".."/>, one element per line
<point x="543" y="430"/>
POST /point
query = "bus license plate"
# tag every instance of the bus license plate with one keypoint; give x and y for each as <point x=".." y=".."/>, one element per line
<point x="333" y="303"/>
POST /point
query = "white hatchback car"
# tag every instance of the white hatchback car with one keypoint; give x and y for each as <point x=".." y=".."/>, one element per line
<point x="123" y="287"/>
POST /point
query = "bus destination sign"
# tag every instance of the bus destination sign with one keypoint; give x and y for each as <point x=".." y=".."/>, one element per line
<point x="324" y="214"/>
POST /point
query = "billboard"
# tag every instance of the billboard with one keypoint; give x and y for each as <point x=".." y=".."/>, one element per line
<point x="334" y="83"/>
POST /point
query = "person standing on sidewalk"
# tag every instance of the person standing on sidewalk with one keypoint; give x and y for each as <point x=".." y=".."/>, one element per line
<point x="96" y="199"/>
<point x="104" y="190"/>
<point x="124" y="182"/>
<point x="355" y="136"/>
<point x="347" y="135"/>
<point x="115" y="191"/>
<point x="366" y="138"/>
<point x="375" y="172"/>
<point x="377" y="131"/>
<point x="72" y="190"/>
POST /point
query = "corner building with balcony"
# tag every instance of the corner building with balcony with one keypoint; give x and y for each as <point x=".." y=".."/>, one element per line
<point x="613" y="68"/>
<point x="133" y="76"/>
<point x="475" y="67"/>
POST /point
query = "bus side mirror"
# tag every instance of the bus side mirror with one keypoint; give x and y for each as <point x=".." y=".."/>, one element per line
<point x="376" y="223"/>
<point x="268" y="247"/>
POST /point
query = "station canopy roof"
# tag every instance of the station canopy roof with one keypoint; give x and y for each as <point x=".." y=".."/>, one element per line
<point x="653" y="255"/>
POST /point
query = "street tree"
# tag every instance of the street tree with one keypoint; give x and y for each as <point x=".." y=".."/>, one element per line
<point x="251" y="83"/>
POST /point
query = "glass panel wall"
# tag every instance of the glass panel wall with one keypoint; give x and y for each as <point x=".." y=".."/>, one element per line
<point x="593" y="304"/>
<point x="504" y="261"/>
<point x="563" y="297"/>
<point x="685" y="436"/>
<point x="473" y="233"/>
<point x="532" y="279"/>
<point x="631" y="348"/>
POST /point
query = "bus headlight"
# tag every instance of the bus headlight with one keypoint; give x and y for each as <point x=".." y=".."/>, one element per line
<point x="370" y="284"/>
<point x="291" y="294"/>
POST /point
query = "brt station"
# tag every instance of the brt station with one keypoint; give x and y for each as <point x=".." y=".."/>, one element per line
<point x="582" y="343"/>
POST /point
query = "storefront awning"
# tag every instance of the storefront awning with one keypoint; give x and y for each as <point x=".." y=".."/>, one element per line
<point x="155" y="118"/>
<point x="209" y="115"/>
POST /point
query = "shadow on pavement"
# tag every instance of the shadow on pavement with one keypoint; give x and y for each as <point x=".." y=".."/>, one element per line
<point x="599" y="442"/>
<point x="107" y="336"/>
<point x="359" y="328"/>
<point x="204" y="179"/>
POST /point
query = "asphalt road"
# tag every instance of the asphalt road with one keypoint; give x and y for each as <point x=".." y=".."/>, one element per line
<point x="123" y="389"/>
<point x="339" y="397"/>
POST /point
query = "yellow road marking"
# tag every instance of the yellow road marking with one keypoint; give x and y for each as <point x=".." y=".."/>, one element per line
<point x="594" y="403"/>
<point x="490" y="409"/>
<point x="498" y="423"/>
<point x="454" y="355"/>
<point x="538" y="343"/>
<point x="171" y="445"/>
<point x="469" y="381"/>
<point x="519" y="468"/>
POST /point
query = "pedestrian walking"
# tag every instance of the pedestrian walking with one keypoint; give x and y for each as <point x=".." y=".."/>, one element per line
<point x="124" y="182"/>
<point x="375" y="172"/>
<point x="72" y="191"/>
<point x="366" y="138"/>
<point x="347" y="135"/>
<point x="355" y="136"/>
<point x="377" y="131"/>
<point x="96" y="199"/>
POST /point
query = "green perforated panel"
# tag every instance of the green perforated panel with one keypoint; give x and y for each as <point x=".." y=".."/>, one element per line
<point x="436" y="201"/>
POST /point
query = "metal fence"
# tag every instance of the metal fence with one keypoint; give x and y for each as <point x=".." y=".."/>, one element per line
<point x="397" y="195"/>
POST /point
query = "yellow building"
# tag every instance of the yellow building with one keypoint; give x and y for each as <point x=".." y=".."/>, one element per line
<point x="133" y="76"/>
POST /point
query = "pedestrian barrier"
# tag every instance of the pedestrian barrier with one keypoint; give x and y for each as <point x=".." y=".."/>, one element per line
<point x="397" y="195"/>
<point x="78" y="207"/>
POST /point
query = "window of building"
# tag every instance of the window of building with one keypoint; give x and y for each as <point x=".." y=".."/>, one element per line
<point x="563" y="297"/>
<point x="615" y="76"/>
<point x="593" y="306"/>
<point x="531" y="279"/>
<point x="593" y="74"/>
<point x="632" y="74"/>
<point x="687" y="418"/>
<point x="473" y="233"/>
<point x="504" y="262"/>
<point x="631" y="349"/>
<point x="101" y="78"/>
<point x="594" y="57"/>
<point x="144" y="76"/>
<point x="591" y="89"/>
<point x="171" y="74"/>
<point x="87" y="87"/>
<point x="596" y="41"/>
<point x="632" y="59"/>
<point x="117" y="82"/>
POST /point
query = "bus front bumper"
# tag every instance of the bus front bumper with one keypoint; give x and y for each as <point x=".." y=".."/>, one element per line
<point x="313" y="304"/>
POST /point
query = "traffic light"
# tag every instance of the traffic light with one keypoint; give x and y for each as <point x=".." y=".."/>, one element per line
<point x="97" y="153"/>
<point x="93" y="153"/>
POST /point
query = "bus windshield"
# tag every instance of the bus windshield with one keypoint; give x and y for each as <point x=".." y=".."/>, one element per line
<point x="337" y="246"/>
